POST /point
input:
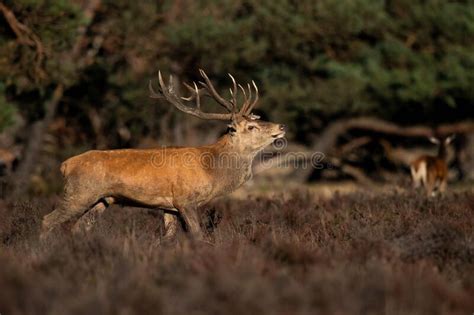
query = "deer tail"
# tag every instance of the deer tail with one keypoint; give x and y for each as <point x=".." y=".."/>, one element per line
<point x="64" y="168"/>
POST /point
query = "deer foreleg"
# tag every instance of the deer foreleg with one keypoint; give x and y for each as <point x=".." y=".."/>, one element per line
<point x="190" y="218"/>
<point x="443" y="185"/>
<point x="171" y="224"/>
<point x="418" y="175"/>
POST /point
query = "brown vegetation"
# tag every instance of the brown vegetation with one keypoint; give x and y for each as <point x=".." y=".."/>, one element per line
<point x="395" y="253"/>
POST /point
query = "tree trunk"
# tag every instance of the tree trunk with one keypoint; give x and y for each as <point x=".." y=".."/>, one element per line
<point x="21" y="180"/>
<point x="31" y="152"/>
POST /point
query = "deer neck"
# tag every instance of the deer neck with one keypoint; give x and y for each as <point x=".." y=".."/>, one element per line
<point x="232" y="158"/>
<point x="442" y="151"/>
<point x="227" y="145"/>
<point x="232" y="167"/>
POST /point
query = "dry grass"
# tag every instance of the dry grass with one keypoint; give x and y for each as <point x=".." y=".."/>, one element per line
<point x="396" y="253"/>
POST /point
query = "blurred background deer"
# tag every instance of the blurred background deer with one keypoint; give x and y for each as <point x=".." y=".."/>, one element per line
<point x="431" y="172"/>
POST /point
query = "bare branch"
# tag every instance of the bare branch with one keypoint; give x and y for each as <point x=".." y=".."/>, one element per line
<point x="26" y="37"/>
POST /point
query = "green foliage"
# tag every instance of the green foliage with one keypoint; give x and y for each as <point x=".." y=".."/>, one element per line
<point x="55" y="23"/>
<point x="28" y="71"/>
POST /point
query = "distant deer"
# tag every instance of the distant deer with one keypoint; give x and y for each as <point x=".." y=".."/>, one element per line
<point x="432" y="171"/>
<point x="178" y="179"/>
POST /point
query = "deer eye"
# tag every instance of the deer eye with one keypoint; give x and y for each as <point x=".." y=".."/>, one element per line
<point x="251" y="127"/>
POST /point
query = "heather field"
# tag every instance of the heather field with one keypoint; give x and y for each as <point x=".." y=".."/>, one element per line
<point x="359" y="253"/>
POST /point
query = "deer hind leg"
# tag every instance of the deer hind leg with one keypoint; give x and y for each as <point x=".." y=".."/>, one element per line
<point x="86" y="221"/>
<point x="69" y="210"/>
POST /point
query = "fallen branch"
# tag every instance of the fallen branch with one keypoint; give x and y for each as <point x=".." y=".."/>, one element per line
<point x="327" y="142"/>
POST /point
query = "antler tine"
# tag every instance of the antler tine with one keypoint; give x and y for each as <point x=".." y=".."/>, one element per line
<point x="170" y="83"/>
<point x="169" y="94"/>
<point x="243" y="92"/>
<point x="191" y="89"/>
<point x="167" y="91"/>
<point x="198" y="99"/>
<point x="234" y="98"/>
<point x="201" y="92"/>
<point x="250" y="98"/>
<point x="246" y="101"/>
<point x="249" y="110"/>
<point x="162" y="84"/>
<point x="213" y="92"/>
<point x="153" y="94"/>
<point x="233" y="93"/>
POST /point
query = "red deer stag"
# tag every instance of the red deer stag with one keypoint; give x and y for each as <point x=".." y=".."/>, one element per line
<point x="176" y="180"/>
<point x="432" y="171"/>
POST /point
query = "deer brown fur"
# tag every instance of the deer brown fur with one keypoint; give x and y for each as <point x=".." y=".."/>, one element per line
<point x="176" y="180"/>
<point x="432" y="171"/>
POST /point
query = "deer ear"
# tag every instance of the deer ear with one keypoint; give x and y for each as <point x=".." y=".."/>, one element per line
<point x="254" y="117"/>
<point x="450" y="139"/>
<point x="434" y="140"/>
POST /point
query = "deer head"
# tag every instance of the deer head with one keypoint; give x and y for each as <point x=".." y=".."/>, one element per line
<point x="246" y="130"/>
<point x="446" y="141"/>
<point x="443" y="144"/>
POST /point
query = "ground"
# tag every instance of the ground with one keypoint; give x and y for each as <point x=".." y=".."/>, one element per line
<point x="298" y="252"/>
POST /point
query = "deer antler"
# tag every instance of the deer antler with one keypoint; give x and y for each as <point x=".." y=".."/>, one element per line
<point x="167" y="92"/>
<point x="170" y="95"/>
<point x="247" y="107"/>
